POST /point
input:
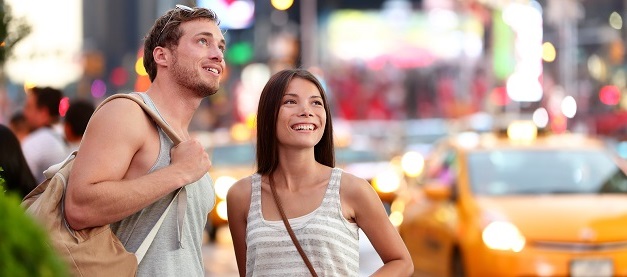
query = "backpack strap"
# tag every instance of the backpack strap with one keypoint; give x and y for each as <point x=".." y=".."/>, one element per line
<point x="181" y="192"/>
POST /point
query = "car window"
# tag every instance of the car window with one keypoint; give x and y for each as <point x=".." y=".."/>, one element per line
<point x="511" y="172"/>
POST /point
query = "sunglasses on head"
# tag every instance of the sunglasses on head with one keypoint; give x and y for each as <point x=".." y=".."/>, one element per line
<point x="178" y="6"/>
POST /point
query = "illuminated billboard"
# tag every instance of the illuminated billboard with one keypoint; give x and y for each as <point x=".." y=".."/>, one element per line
<point x="233" y="14"/>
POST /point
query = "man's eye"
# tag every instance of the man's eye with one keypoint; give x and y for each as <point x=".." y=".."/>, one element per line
<point x="203" y="41"/>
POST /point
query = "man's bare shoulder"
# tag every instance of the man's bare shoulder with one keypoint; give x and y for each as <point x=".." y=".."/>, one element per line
<point x="118" y="117"/>
<point x="114" y="134"/>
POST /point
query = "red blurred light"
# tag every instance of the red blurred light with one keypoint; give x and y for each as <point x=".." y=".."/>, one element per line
<point x="609" y="95"/>
<point x="559" y="123"/>
<point x="499" y="97"/>
<point x="64" y="105"/>
<point x="119" y="76"/>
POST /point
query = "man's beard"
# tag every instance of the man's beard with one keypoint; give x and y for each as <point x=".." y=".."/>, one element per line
<point x="189" y="79"/>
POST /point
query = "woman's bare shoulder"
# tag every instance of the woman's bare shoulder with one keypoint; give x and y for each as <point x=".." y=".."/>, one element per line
<point x="240" y="191"/>
<point x="354" y="185"/>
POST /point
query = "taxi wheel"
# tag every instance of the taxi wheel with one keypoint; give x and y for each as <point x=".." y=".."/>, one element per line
<point x="457" y="264"/>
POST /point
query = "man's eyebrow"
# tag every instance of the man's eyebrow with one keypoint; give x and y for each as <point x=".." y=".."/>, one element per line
<point x="209" y="34"/>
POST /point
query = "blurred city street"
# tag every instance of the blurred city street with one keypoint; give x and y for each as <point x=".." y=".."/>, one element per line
<point x="494" y="132"/>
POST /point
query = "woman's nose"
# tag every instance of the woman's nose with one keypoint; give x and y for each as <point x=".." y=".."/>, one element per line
<point x="306" y="111"/>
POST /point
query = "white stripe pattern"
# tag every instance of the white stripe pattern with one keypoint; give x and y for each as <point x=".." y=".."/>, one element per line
<point x="329" y="240"/>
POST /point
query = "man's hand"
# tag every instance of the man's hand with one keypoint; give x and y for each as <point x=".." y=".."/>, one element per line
<point x="190" y="156"/>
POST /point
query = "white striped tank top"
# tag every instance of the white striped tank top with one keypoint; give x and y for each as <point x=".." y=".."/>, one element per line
<point x="329" y="240"/>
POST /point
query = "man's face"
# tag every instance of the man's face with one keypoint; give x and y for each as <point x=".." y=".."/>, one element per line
<point x="198" y="62"/>
<point x="34" y="115"/>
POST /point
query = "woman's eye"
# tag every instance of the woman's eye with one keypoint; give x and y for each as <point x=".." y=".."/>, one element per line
<point x="289" y="102"/>
<point x="318" y="103"/>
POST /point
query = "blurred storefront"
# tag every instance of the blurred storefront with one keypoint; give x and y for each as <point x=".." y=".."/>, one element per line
<point x="379" y="60"/>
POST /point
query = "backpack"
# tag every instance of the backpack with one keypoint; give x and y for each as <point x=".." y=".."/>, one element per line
<point x="93" y="251"/>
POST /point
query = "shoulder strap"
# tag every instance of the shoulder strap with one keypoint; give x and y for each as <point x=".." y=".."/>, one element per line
<point x="290" y="231"/>
<point x="181" y="192"/>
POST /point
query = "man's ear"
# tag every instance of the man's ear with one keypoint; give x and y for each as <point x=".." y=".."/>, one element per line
<point x="161" y="55"/>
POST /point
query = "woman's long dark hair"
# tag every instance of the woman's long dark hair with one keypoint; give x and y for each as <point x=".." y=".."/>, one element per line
<point x="268" y="112"/>
<point x="15" y="171"/>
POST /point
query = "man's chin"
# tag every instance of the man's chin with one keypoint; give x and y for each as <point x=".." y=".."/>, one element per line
<point x="209" y="92"/>
<point x="206" y="91"/>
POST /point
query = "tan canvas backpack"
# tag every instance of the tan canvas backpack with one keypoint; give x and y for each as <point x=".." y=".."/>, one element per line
<point x="93" y="251"/>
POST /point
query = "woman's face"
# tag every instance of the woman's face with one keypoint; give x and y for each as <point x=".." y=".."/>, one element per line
<point x="302" y="117"/>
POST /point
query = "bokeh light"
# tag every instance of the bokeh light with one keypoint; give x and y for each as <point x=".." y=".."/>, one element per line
<point x="616" y="21"/>
<point x="609" y="95"/>
<point x="282" y="5"/>
<point x="541" y="117"/>
<point x="569" y="106"/>
<point x="139" y="67"/>
<point x="98" y="88"/>
<point x="64" y="105"/>
<point x="548" y="52"/>
<point x="119" y="76"/>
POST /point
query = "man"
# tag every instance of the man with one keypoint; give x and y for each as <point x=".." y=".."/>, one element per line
<point x="44" y="146"/>
<point x="19" y="125"/>
<point x="76" y="118"/>
<point x="126" y="170"/>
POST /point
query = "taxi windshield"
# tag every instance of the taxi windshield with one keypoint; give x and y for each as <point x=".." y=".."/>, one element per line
<point x="512" y="172"/>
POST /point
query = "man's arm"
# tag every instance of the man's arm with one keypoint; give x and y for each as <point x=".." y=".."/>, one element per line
<point x="109" y="179"/>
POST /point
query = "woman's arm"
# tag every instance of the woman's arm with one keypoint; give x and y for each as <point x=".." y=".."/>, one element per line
<point x="368" y="212"/>
<point x="238" y="203"/>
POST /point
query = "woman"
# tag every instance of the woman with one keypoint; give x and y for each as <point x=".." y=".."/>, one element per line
<point x="15" y="171"/>
<point x="325" y="206"/>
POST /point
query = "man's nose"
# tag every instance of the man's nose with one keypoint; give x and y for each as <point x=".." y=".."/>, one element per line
<point x="217" y="54"/>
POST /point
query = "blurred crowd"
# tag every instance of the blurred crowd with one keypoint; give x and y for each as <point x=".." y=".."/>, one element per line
<point x="393" y="93"/>
<point x="43" y="132"/>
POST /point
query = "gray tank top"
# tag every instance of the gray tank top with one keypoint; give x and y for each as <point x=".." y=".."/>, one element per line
<point x="329" y="240"/>
<point x="166" y="257"/>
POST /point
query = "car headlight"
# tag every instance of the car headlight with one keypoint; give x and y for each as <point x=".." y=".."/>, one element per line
<point x="221" y="210"/>
<point x="501" y="235"/>
<point x="413" y="163"/>
<point x="222" y="186"/>
<point x="386" y="181"/>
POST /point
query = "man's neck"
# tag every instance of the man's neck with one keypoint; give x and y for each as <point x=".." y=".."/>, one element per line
<point x="175" y="106"/>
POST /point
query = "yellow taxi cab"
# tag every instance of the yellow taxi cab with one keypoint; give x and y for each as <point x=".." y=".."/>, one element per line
<point x="229" y="163"/>
<point x="520" y="204"/>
